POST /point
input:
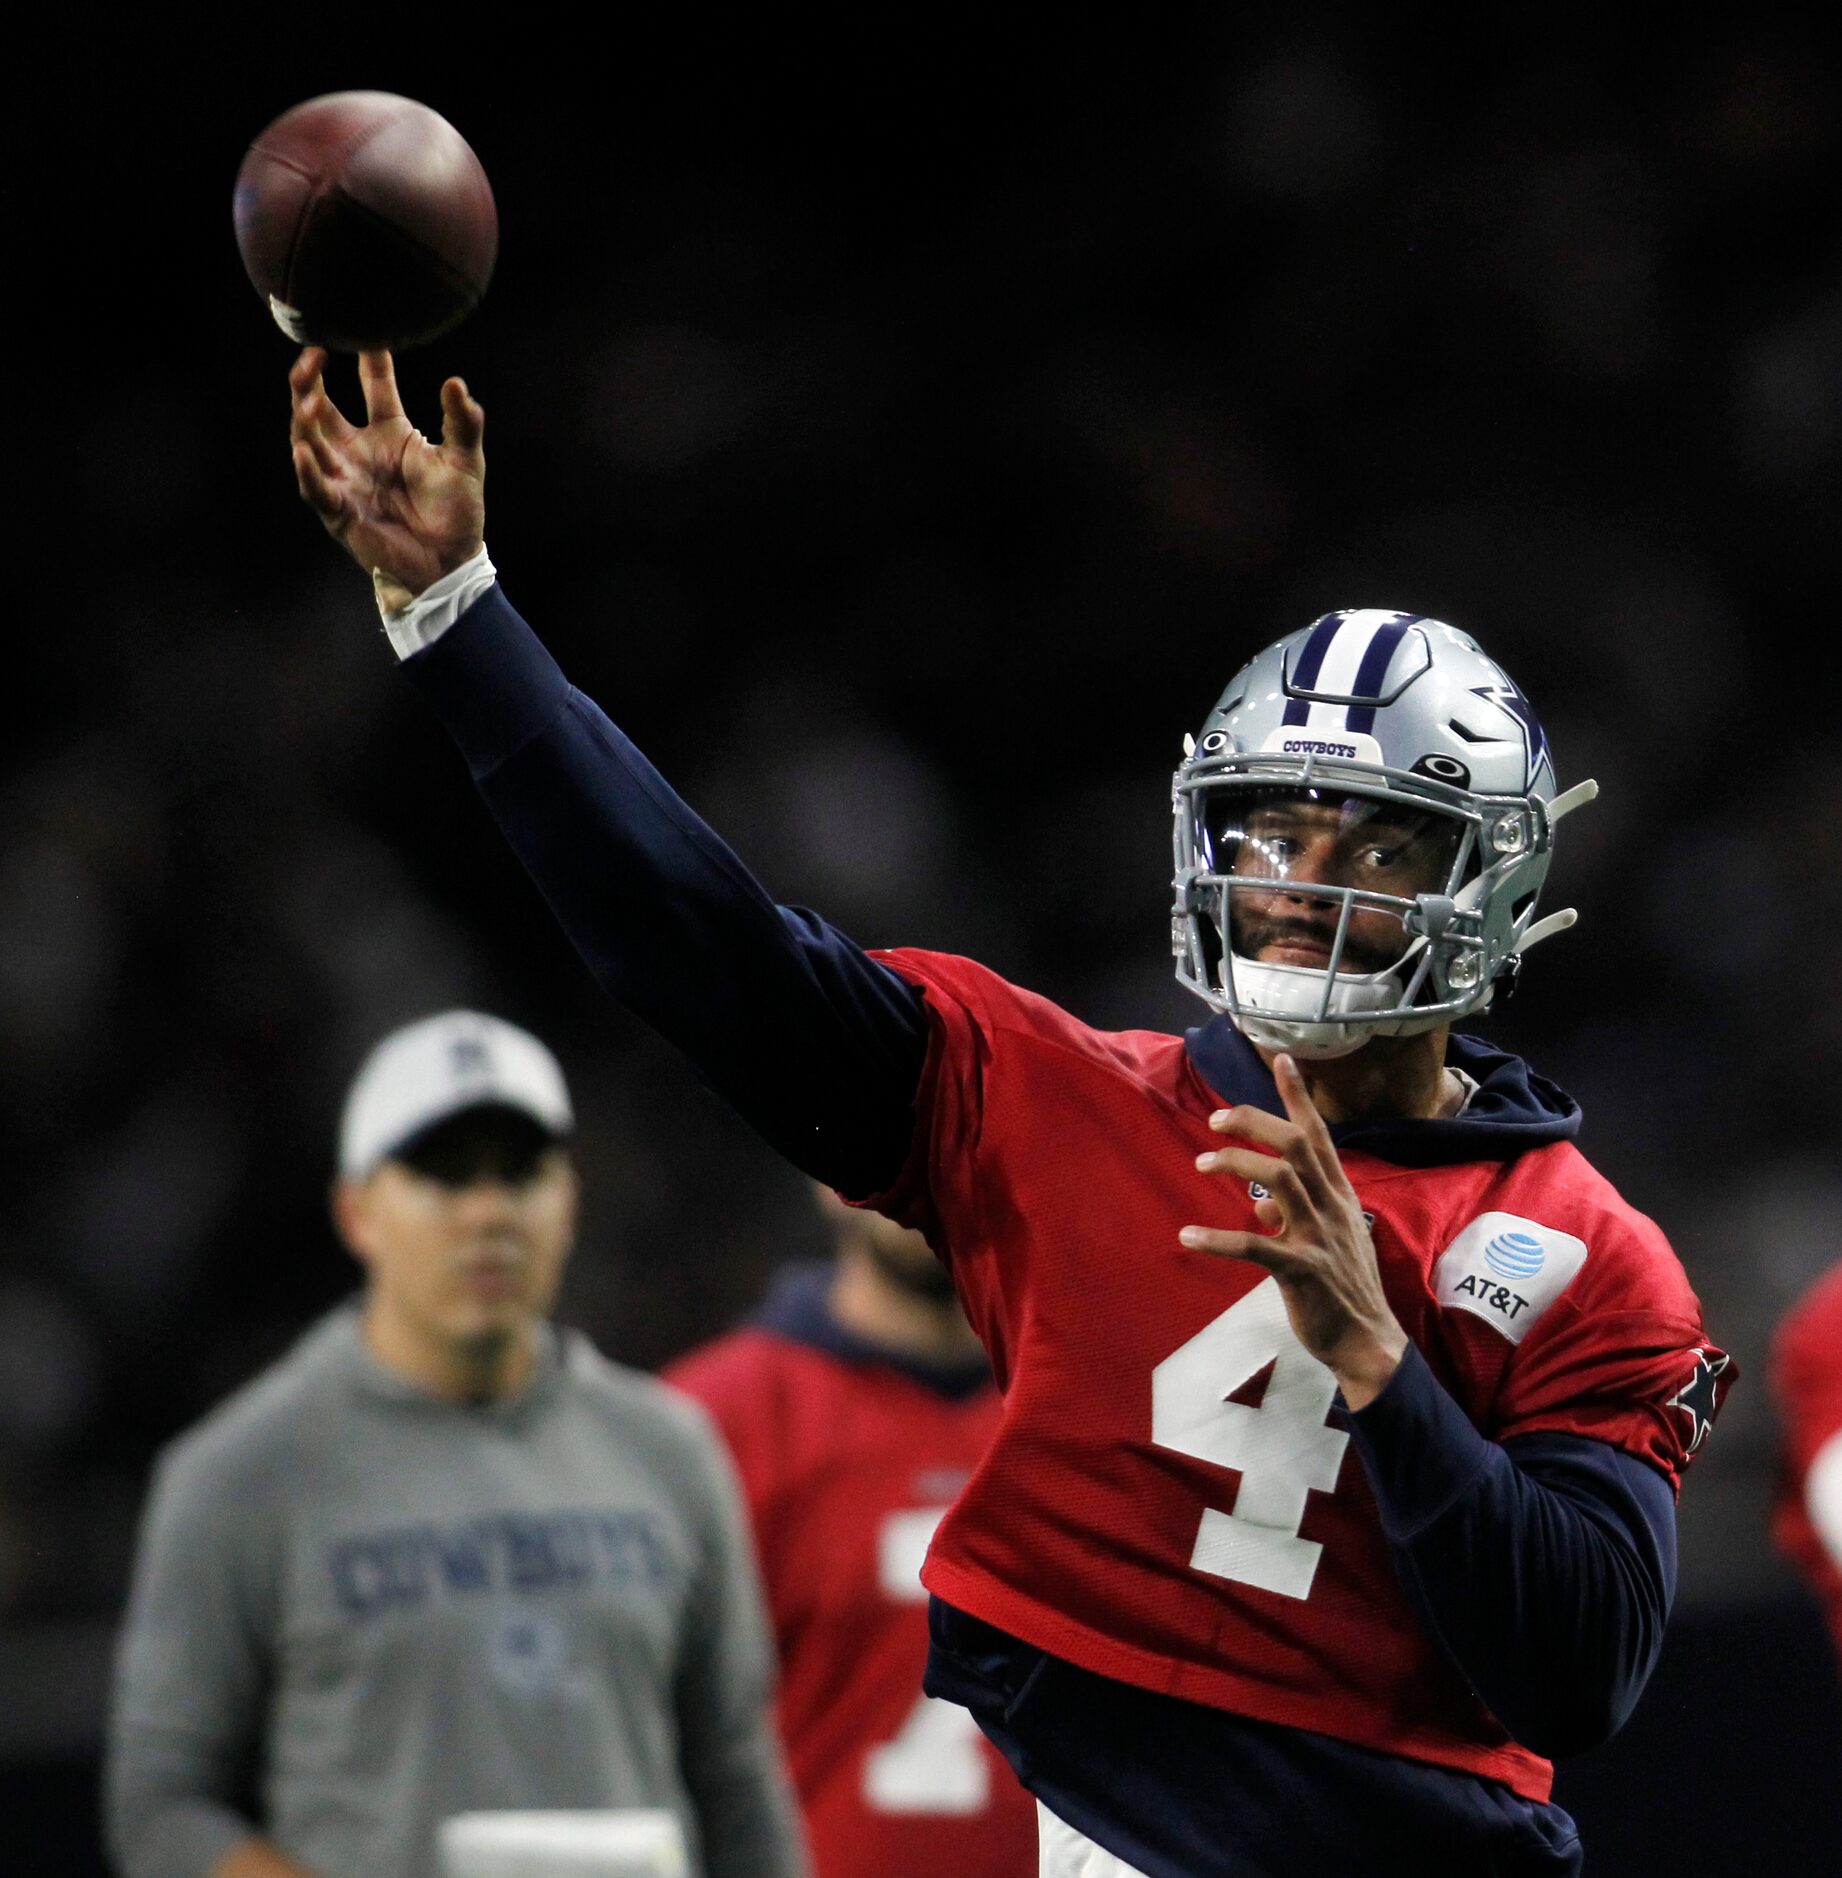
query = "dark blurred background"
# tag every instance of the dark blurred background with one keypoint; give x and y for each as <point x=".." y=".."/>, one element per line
<point x="904" y="424"/>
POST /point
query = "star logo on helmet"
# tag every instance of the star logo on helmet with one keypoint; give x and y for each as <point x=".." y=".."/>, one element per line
<point x="1507" y="696"/>
<point x="1699" y="1397"/>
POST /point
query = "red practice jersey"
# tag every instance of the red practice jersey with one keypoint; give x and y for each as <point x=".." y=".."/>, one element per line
<point x="848" y="1461"/>
<point x="1807" y="1380"/>
<point x="1170" y="1500"/>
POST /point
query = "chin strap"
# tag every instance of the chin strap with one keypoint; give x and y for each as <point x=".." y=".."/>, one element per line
<point x="1563" y="804"/>
<point x="1546" y="929"/>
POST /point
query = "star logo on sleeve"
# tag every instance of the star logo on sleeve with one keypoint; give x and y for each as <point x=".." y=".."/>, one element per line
<point x="1699" y="1398"/>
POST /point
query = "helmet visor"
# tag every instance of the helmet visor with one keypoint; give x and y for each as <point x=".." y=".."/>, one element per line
<point x="1315" y="876"/>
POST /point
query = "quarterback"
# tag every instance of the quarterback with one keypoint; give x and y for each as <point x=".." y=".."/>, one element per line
<point x="1345" y="1405"/>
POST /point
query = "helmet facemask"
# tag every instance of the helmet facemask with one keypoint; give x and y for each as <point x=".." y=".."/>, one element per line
<point x="1319" y="909"/>
<point x="1361" y="835"/>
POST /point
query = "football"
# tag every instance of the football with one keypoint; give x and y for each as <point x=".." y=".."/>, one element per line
<point x="365" y="220"/>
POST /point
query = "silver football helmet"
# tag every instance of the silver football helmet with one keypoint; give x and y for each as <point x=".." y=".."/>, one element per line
<point x="1362" y="830"/>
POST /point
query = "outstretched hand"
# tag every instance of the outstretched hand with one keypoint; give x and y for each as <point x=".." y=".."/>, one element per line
<point x="405" y="509"/>
<point x="1317" y="1246"/>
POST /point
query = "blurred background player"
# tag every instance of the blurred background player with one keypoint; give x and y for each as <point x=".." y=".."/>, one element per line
<point x="857" y="1401"/>
<point x="443" y="1557"/>
<point x="1806" y="1379"/>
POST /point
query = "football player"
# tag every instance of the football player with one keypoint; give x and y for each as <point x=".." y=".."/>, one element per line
<point x="857" y="1402"/>
<point x="1345" y="1404"/>
<point x="1806" y="1372"/>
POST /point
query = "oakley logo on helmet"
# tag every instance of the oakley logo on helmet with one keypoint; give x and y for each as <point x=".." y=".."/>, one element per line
<point x="1445" y="769"/>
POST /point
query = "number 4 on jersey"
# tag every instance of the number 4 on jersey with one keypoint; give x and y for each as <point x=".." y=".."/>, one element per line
<point x="1282" y="1447"/>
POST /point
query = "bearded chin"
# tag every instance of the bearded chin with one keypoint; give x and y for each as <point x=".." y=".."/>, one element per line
<point x="927" y="1279"/>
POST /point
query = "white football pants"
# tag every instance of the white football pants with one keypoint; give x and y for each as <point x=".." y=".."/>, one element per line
<point x="1065" y="1853"/>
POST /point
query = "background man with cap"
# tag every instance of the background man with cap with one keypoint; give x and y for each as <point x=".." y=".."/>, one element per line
<point x="443" y="1557"/>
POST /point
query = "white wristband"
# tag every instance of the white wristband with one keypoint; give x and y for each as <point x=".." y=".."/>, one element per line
<point x="437" y="607"/>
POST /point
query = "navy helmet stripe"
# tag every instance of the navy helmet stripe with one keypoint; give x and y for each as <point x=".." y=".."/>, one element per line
<point x="1373" y="670"/>
<point x="1310" y="663"/>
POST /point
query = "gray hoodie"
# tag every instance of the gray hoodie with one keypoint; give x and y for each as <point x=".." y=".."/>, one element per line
<point x="358" y="1609"/>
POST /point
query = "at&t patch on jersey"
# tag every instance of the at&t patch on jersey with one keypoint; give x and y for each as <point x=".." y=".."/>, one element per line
<point x="1507" y="1270"/>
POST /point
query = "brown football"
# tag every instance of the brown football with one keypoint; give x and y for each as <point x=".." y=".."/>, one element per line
<point x="365" y="220"/>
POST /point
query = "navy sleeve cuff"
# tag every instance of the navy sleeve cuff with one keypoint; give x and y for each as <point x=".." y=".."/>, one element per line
<point x="490" y="681"/>
<point x="1418" y="1448"/>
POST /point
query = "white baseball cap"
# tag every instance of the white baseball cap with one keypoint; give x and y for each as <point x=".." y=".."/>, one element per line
<point x="432" y="1069"/>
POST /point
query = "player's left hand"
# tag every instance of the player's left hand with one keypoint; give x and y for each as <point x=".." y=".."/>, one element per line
<point x="1319" y="1249"/>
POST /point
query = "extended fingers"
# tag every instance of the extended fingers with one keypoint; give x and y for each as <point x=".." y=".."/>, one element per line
<point x="1289" y="1079"/>
<point x="463" y="422"/>
<point x="1286" y="1145"/>
<point x="1311" y="1126"/>
<point x="318" y="490"/>
<point x="377" y="376"/>
<point x="1273" y="1132"/>
<point x="1271" y="1253"/>
<point x="1276" y="1174"/>
<point x="314" y="435"/>
<point x="306" y="371"/>
<point x="312" y="430"/>
<point x="313" y="410"/>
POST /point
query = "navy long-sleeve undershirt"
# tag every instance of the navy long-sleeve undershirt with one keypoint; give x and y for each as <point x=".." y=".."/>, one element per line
<point x="1545" y="1566"/>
